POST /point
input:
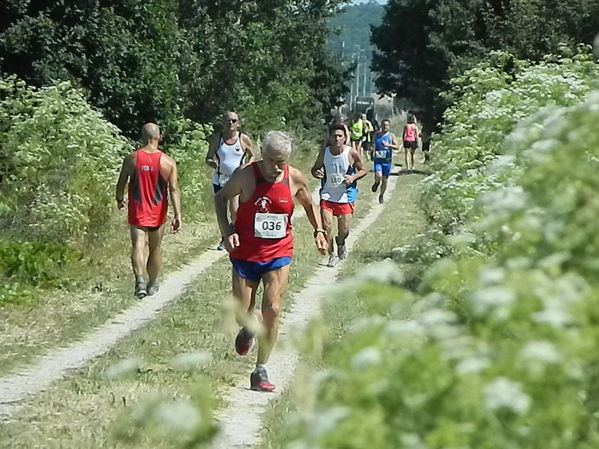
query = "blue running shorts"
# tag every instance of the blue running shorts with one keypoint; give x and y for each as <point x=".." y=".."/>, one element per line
<point x="385" y="168"/>
<point x="253" y="271"/>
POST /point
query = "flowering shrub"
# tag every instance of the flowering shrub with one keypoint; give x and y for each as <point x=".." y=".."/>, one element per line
<point x="497" y="349"/>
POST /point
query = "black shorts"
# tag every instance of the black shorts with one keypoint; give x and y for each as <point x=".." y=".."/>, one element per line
<point x="216" y="187"/>
<point x="410" y="145"/>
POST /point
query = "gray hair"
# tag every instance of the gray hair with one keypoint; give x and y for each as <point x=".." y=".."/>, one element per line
<point x="277" y="141"/>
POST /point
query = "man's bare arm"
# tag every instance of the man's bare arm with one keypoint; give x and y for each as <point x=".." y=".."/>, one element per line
<point x="122" y="181"/>
<point x="248" y="148"/>
<point x="318" y="164"/>
<point x="359" y="167"/>
<point x="312" y="212"/>
<point x="173" y="187"/>
<point x="232" y="188"/>
<point x="212" y="148"/>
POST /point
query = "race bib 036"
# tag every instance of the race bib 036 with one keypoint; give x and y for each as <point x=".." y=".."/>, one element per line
<point x="270" y="226"/>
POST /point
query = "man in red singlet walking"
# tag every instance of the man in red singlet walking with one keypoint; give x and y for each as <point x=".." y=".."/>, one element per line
<point x="260" y="244"/>
<point x="149" y="172"/>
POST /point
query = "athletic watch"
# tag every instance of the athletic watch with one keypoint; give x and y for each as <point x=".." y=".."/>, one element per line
<point x="316" y="231"/>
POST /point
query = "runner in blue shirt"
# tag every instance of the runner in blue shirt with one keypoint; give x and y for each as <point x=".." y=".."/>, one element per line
<point x="384" y="144"/>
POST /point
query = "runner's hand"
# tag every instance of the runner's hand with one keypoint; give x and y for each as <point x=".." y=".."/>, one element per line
<point x="318" y="174"/>
<point x="176" y="224"/>
<point x="232" y="242"/>
<point x="348" y="180"/>
<point x="321" y="243"/>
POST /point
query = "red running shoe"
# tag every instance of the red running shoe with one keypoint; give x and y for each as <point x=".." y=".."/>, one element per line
<point x="244" y="341"/>
<point x="259" y="380"/>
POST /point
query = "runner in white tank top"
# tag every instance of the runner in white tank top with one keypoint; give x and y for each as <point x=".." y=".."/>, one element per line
<point x="339" y="166"/>
<point x="228" y="150"/>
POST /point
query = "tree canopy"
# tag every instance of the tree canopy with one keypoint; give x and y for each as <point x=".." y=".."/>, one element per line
<point x="167" y="59"/>
<point x="421" y="44"/>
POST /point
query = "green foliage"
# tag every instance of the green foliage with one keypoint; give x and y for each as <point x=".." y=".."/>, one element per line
<point x="61" y="159"/>
<point x="169" y="60"/>
<point x="39" y="264"/>
<point x="496" y="349"/>
<point x="421" y="45"/>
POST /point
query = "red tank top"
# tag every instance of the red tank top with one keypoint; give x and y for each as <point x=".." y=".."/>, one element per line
<point x="264" y="222"/>
<point x="147" y="191"/>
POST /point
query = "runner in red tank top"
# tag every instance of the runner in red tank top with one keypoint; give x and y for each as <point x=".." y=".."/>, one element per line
<point x="261" y="244"/>
<point x="149" y="172"/>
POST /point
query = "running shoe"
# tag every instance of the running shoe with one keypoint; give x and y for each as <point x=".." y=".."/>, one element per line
<point x="381" y="199"/>
<point x="342" y="252"/>
<point x="244" y="341"/>
<point x="153" y="288"/>
<point x="259" y="380"/>
<point x="141" y="290"/>
<point x="374" y="187"/>
<point x="332" y="261"/>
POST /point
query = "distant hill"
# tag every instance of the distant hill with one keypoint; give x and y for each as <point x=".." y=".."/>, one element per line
<point x="353" y="24"/>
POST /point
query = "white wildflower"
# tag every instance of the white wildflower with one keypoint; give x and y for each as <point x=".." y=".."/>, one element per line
<point x="472" y="365"/>
<point x="496" y="300"/>
<point x="367" y="357"/>
<point x="491" y="275"/>
<point x="541" y="351"/>
<point x="177" y="417"/>
<point x="122" y="369"/>
<point x="326" y="421"/>
<point x="190" y="361"/>
<point x="503" y="393"/>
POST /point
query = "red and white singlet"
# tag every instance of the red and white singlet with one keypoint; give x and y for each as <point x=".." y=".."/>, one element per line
<point x="264" y="222"/>
<point x="147" y="191"/>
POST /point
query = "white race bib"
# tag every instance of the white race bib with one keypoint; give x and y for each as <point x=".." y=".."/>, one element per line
<point x="335" y="180"/>
<point x="270" y="226"/>
<point x="380" y="154"/>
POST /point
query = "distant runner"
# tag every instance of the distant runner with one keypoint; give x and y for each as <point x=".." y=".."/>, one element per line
<point x="260" y="244"/>
<point x="149" y="172"/>
<point x="228" y="150"/>
<point x="384" y="144"/>
<point x="410" y="140"/>
<point x="339" y="167"/>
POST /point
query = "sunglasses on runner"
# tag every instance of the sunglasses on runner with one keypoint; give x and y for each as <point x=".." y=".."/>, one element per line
<point x="231" y="120"/>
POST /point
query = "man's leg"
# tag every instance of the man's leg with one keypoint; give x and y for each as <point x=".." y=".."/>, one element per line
<point x="327" y="224"/>
<point x="138" y="246"/>
<point x="245" y="292"/>
<point x="378" y="174"/>
<point x="343" y="228"/>
<point x="155" y="253"/>
<point x="383" y="188"/>
<point x="275" y="285"/>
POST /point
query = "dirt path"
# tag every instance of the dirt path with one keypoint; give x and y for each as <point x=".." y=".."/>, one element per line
<point x="241" y="421"/>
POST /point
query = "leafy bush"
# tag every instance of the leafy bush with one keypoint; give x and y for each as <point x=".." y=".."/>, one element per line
<point x="61" y="160"/>
<point x="497" y="348"/>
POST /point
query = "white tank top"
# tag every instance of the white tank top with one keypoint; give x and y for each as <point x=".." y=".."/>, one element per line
<point x="335" y="168"/>
<point x="230" y="157"/>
